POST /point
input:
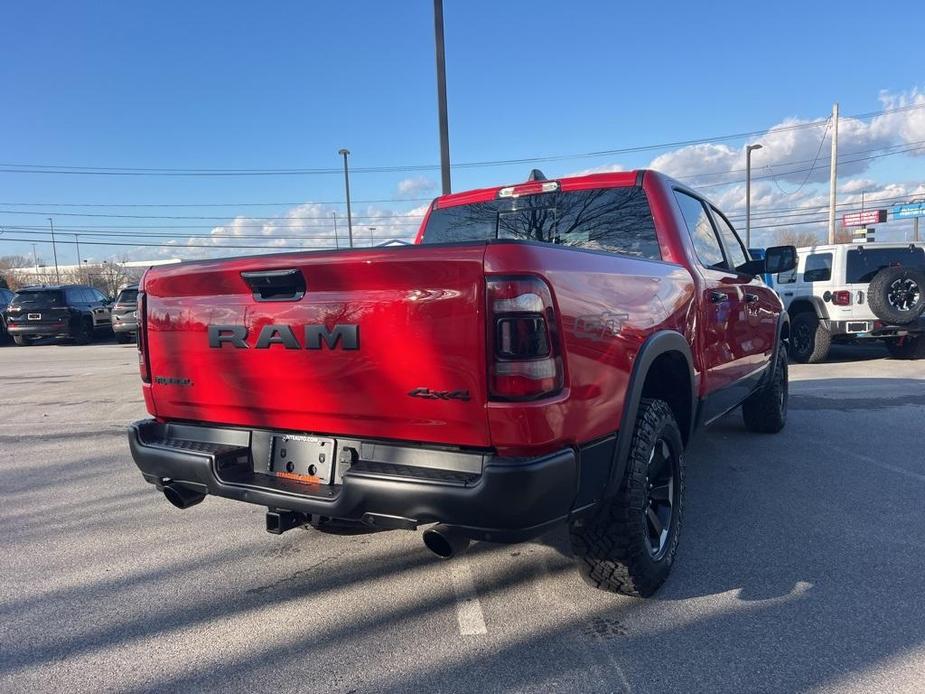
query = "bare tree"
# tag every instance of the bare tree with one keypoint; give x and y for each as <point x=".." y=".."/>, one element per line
<point x="800" y="239"/>
<point x="13" y="261"/>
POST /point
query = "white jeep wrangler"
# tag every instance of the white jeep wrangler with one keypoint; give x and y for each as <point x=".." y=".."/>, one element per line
<point x="847" y="292"/>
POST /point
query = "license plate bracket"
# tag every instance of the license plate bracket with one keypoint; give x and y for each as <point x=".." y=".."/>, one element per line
<point x="308" y="459"/>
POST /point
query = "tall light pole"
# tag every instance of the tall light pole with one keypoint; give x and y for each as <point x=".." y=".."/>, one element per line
<point x="441" y="97"/>
<point x="344" y="153"/>
<point x="54" y="250"/>
<point x="833" y="173"/>
<point x="336" y="242"/>
<point x="748" y="193"/>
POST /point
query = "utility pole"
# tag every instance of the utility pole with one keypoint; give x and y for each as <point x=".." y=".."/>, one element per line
<point x="441" y="97"/>
<point x="748" y="193"/>
<point x="35" y="260"/>
<point x="833" y="173"/>
<point x="344" y="153"/>
<point x="336" y="242"/>
<point x="915" y="229"/>
<point x="79" y="265"/>
<point x="54" y="250"/>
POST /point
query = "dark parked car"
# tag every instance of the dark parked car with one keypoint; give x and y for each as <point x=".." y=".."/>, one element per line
<point x="124" y="314"/>
<point x="74" y="311"/>
<point x="6" y="296"/>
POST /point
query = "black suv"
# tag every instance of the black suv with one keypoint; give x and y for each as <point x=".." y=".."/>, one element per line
<point x="124" y="314"/>
<point x="74" y="311"/>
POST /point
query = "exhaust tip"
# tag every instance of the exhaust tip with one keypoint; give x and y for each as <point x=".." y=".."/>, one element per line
<point x="445" y="541"/>
<point x="182" y="497"/>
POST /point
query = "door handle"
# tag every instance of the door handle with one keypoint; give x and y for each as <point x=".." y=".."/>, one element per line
<point x="751" y="298"/>
<point x="718" y="297"/>
<point x="276" y="285"/>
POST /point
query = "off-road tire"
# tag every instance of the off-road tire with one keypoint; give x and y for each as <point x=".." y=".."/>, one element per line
<point x="765" y="411"/>
<point x="885" y="284"/>
<point x="908" y="347"/>
<point x="613" y="549"/>
<point x="810" y="341"/>
<point x="84" y="335"/>
<point x="23" y="340"/>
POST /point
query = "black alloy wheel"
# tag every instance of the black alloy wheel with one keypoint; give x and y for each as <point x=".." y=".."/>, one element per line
<point x="904" y="293"/>
<point x="658" y="513"/>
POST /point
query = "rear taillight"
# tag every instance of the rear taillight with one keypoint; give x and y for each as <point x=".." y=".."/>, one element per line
<point x="141" y="338"/>
<point x="842" y="298"/>
<point x="525" y="359"/>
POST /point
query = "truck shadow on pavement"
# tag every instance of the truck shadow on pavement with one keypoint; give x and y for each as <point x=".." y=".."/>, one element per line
<point x="797" y="569"/>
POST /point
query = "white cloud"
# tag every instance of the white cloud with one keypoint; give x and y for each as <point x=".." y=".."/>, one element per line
<point x="606" y="168"/>
<point x="415" y="186"/>
<point x="797" y="150"/>
<point x="780" y="174"/>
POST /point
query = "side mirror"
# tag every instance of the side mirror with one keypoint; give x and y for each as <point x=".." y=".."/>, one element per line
<point x="780" y="259"/>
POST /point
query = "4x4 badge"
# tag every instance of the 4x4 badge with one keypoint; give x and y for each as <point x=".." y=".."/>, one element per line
<point x="429" y="394"/>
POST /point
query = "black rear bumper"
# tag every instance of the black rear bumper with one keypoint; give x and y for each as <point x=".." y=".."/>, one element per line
<point x="40" y="330"/>
<point x="489" y="498"/>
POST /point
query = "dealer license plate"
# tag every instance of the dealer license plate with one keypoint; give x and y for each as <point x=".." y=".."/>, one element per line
<point x="307" y="459"/>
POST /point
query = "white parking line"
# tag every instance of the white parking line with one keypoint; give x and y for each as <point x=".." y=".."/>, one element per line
<point x="468" y="608"/>
<point x="879" y="463"/>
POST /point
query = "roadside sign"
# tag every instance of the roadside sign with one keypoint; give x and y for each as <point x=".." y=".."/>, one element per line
<point x="862" y="219"/>
<point x="910" y="210"/>
<point x="863" y="235"/>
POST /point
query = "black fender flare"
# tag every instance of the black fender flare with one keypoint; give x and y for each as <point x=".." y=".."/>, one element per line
<point x="783" y="321"/>
<point x="657" y="344"/>
<point x="822" y="311"/>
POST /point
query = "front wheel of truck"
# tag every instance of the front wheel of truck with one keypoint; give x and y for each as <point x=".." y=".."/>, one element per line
<point x="630" y="545"/>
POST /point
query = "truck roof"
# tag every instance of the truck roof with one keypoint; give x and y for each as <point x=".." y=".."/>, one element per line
<point x="614" y="179"/>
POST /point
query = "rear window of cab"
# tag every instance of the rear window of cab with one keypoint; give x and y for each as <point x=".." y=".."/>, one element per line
<point x="617" y="220"/>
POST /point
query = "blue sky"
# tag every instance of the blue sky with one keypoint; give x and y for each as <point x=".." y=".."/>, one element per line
<point x="285" y="85"/>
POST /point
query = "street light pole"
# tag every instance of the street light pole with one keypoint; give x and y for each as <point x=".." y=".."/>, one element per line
<point x="54" y="250"/>
<point x="441" y="97"/>
<point x="344" y="153"/>
<point x="833" y="173"/>
<point x="748" y="193"/>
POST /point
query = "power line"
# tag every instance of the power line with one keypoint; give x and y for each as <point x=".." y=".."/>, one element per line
<point x="793" y="171"/>
<point x="291" y="203"/>
<point x="178" y="246"/>
<point x="219" y="217"/>
<point x="65" y="169"/>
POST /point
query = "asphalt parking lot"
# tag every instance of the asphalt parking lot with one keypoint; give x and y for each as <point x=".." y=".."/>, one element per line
<point x="801" y="564"/>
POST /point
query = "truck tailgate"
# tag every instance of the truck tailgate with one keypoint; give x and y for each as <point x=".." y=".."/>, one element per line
<point x="416" y="372"/>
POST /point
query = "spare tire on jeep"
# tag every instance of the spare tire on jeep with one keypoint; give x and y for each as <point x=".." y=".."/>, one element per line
<point x="897" y="294"/>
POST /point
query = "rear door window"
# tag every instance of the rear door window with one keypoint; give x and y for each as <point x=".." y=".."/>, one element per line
<point x="706" y="243"/>
<point x="818" y="267"/>
<point x="864" y="263"/>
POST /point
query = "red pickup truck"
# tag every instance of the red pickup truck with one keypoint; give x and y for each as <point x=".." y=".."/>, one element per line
<point x="541" y="355"/>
